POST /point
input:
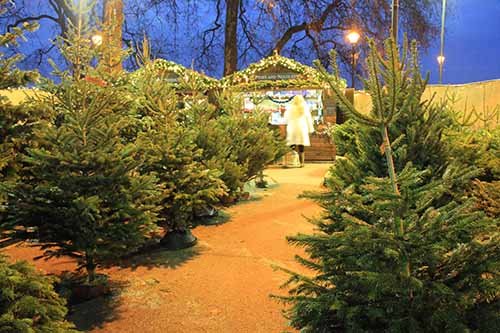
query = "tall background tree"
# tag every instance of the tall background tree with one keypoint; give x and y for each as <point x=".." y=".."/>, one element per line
<point x="199" y="33"/>
<point x="113" y="23"/>
<point x="231" y="37"/>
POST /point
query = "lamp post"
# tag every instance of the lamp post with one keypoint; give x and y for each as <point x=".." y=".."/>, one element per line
<point x="441" y="58"/>
<point x="395" y="20"/>
<point x="353" y="38"/>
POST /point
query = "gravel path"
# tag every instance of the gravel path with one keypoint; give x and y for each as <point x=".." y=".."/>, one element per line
<point x="222" y="284"/>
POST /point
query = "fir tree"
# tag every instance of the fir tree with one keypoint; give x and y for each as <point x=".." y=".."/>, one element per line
<point x="239" y="145"/>
<point x="28" y="302"/>
<point x="408" y="253"/>
<point x="170" y="152"/>
<point x="82" y="193"/>
<point x="16" y="121"/>
<point x="480" y="148"/>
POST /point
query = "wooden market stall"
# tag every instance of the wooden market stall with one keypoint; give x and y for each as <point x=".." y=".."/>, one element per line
<point x="272" y="82"/>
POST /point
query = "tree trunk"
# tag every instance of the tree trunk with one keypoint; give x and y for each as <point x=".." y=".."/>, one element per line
<point x="231" y="37"/>
<point x="113" y="23"/>
<point x="390" y="160"/>
<point x="90" y="265"/>
<point x="406" y="269"/>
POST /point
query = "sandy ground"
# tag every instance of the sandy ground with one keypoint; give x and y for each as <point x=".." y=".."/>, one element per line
<point x="223" y="283"/>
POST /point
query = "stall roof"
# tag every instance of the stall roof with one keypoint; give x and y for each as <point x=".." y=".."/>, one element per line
<point x="177" y="74"/>
<point x="275" y="72"/>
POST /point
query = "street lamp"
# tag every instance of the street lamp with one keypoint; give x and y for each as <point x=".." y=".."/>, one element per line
<point x="96" y="39"/>
<point x="440" y="58"/>
<point x="353" y="38"/>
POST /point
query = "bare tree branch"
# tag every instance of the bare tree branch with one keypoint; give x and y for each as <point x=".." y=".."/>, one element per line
<point x="316" y="25"/>
<point x="30" y="19"/>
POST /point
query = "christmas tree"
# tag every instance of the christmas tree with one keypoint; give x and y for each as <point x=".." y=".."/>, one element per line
<point x="82" y="193"/>
<point x="401" y="245"/>
<point x="28" y="302"/>
<point x="189" y="186"/>
<point x="16" y="121"/>
<point x="239" y="145"/>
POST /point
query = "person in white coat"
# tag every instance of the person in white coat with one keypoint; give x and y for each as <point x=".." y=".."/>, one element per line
<point x="299" y="126"/>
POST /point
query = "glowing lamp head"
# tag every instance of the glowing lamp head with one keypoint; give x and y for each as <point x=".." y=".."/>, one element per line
<point x="96" y="39"/>
<point x="440" y="59"/>
<point x="353" y="37"/>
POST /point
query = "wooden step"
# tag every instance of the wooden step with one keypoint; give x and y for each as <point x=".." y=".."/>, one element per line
<point x="321" y="149"/>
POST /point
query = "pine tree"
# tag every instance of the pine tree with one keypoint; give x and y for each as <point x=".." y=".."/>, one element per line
<point x="239" y="145"/>
<point x="405" y="253"/>
<point x="16" y="121"/>
<point x="170" y="152"/>
<point x="82" y="193"/>
<point x="28" y="302"/>
<point x="481" y="148"/>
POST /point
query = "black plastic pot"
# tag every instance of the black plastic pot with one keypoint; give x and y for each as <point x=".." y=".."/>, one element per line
<point x="178" y="240"/>
<point x="83" y="293"/>
<point x="206" y="212"/>
<point x="261" y="184"/>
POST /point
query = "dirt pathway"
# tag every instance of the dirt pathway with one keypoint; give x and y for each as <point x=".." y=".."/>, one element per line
<point x="221" y="285"/>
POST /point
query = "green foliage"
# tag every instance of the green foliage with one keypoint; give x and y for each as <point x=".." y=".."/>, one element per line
<point x="16" y="121"/>
<point x="11" y="77"/>
<point x="237" y="144"/>
<point x="487" y="196"/>
<point x="423" y="258"/>
<point x="188" y="185"/>
<point x="201" y="154"/>
<point x="28" y="302"/>
<point x="16" y="133"/>
<point x="169" y="149"/>
<point x="480" y="148"/>
<point x="81" y="192"/>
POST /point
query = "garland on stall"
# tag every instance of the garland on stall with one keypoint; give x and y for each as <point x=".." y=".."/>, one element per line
<point x="307" y="77"/>
<point x="186" y="75"/>
<point x="288" y="100"/>
<point x="296" y="84"/>
<point x="245" y="80"/>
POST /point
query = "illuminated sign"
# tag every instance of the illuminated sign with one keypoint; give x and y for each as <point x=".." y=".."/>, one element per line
<point x="276" y="76"/>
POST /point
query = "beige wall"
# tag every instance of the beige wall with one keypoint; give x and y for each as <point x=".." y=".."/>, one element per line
<point x="362" y="101"/>
<point x="17" y="96"/>
<point x="479" y="102"/>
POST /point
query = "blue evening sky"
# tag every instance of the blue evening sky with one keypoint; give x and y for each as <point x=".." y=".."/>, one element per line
<point x="472" y="43"/>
